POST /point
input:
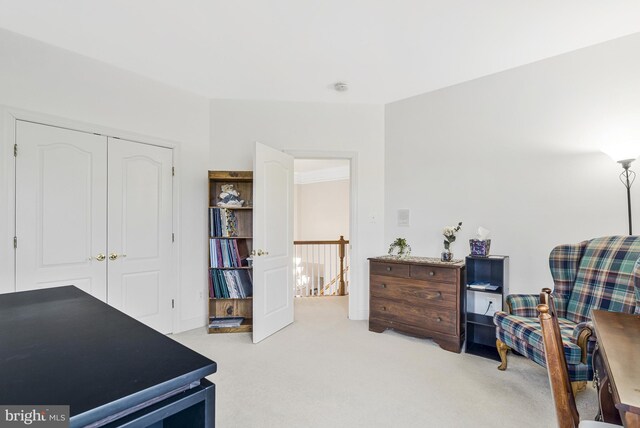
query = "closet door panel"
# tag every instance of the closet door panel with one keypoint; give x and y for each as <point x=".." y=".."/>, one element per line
<point x="140" y="228"/>
<point x="61" y="197"/>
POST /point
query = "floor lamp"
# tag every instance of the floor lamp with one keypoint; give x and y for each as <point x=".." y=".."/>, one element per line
<point x="627" y="176"/>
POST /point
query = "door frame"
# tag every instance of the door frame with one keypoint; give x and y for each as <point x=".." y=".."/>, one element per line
<point x="358" y="295"/>
<point x="10" y="116"/>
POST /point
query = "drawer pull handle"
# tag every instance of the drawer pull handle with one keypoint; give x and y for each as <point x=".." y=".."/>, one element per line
<point x="438" y="319"/>
<point x="431" y="273"/>
<point x="230" y="310"/>
<point x="384" y="308"/>
<point x="383" y="285"/>
<point x="438" y="294"/>
<point x="388" y="268"/>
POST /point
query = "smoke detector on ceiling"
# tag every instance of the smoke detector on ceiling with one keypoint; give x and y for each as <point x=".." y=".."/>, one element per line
<point x="340" y="86"/>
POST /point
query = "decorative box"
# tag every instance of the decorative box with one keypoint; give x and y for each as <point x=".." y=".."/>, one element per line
<point x="480" y="247"/>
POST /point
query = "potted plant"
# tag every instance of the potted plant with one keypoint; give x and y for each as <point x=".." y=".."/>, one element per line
<point x="400" y="248"/>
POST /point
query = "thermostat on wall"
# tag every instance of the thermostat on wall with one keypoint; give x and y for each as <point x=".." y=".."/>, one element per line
<point x="403" y="217"/>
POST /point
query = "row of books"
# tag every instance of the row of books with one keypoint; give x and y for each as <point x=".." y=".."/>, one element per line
<point x="225" y="322"/>
<point x="224" y="253"/>
<point x="230" y="284"/>
<point x="222" y="222"/>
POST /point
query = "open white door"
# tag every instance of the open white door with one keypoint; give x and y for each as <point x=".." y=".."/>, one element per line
<point x="272" y="241"/>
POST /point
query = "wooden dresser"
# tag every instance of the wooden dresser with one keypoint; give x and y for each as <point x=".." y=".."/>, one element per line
<point x="419" y="296"/>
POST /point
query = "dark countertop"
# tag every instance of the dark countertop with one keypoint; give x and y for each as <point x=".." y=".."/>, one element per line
<point x="61" y="346"/>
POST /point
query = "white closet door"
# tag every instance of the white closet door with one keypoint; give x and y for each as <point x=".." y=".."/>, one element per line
<point x="140" y="227"/>
<point x="273" y="241"/>
<point x="61" y="208"/>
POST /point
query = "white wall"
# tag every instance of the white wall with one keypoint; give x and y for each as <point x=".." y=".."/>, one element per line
<point x="45" y="79"/>
<point x="518" y="153"/>
<point x="314" y="127"/>
<point x="321" y="211"/>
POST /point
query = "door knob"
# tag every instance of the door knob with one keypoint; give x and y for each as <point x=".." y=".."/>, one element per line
<point x="100" y="257"/>
<point x="114" y="256"/>
<point x="262" y="253"/>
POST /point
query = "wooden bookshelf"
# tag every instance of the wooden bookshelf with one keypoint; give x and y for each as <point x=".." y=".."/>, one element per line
<point x="242" y="181"/>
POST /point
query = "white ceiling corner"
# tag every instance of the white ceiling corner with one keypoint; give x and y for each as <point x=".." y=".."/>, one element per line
<point x="296" y="50"/>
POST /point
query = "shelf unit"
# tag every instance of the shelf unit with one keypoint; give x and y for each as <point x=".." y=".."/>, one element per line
<point x="481" y="332"/>
<point x="242" y="181"/>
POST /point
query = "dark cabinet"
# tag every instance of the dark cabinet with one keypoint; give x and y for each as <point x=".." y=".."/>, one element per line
<point x="486" y="285"/>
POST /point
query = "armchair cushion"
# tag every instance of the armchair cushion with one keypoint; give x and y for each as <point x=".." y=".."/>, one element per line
<point x="604" y="278"/>
<point x="528" y="330"/>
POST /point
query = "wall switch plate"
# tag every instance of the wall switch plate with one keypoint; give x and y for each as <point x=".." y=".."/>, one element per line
<point x="404" y="216"/>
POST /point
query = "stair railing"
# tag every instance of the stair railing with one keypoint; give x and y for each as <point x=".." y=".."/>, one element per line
<point x="321" y="267"/>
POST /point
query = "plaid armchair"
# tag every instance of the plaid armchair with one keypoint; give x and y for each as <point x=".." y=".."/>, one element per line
<point x="602" y="273"/>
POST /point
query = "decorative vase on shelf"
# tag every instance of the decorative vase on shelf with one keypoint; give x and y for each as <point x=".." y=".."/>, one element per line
<point x="446" y="255"/>
<point x="449" y="234"/>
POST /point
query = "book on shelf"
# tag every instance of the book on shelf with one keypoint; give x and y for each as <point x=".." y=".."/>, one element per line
<point x="225" y="322"/>
<point x="483" y="286"/>
<point x="222" y="222"/>
<point x="224" y="253"/>
<point x="230" y="284"/>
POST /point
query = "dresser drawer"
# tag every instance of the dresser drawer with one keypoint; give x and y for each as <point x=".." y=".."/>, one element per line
<point x="432" y="273"/>
<point x="413" y="292"/>
<point x="389" y="269"/>
<point x="429" y="318"/>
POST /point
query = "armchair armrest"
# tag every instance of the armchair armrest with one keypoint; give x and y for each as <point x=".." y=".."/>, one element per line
<point x="526" y="305"/>
<point x="583" y="333"/>
<point x="523" y="305"/>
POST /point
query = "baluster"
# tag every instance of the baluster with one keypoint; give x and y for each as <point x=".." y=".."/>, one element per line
<point x="341" y="255"/>
<point x="317" y="260"/>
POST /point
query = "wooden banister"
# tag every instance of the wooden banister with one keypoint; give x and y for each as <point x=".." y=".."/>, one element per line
<point x="341" y="240"/>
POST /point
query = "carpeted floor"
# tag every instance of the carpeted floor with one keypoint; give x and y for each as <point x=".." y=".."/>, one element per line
<point x="327" y="371"/>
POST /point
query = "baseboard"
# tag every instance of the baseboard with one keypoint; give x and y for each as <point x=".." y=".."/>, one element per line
<point x="359" y="314"/>
<point x="190" y="324"/>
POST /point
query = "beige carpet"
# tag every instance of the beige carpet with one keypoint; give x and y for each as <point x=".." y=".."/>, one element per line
<point x="327" y="371"/>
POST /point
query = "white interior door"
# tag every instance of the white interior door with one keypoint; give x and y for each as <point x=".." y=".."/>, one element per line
<point x="272" y="241"/>
<point x="140" y="228"/>
<point x="61" y="199"/>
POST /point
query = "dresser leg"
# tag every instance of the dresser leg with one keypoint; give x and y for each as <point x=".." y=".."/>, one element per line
<point x="502" y="351"/>
<point x="376" y="327"/>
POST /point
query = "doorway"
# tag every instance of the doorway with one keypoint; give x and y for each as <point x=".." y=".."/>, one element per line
<point x="322" y="205"/>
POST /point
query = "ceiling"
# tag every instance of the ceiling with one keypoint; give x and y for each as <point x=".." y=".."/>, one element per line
<point x="309" y="165"/>
<point x="295" y="50"/>
<point x="308" y="171"/>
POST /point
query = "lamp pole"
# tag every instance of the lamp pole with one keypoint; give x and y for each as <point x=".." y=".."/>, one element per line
<point x="627" y="177"/>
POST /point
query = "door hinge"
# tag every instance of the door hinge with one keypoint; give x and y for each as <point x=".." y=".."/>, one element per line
<point x="173" y="304"/>
<point x="15" y="150"/>
<point x="173" y="171"/>
<point x="173" y="237"/>
<point x="15" y="242"/>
